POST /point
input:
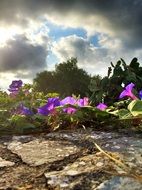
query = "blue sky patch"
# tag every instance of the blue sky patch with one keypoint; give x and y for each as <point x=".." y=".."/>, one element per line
<point x="56" y="31"/>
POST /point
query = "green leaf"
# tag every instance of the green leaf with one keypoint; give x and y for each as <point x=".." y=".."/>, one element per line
<point x="135" y="107"/>
<point x="122" y="113"/>
<point x="72" y="119"/>
<point x="20" y="124"/>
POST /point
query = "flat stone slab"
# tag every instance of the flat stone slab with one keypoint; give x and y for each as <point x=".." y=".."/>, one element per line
<point x="5" y="163"/>
<point x="38" y="152"/>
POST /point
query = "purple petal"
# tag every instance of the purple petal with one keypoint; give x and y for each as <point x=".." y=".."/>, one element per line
<point x="140" y="94"/>
<point x="49" y="107"/>
<point x="22" y="110"/>
<point x="129" y="87"/>
<point x="43" y="110"/>
<point x="83" y="102"/>
<point x="70" y="110"/>
<point x="101" y="106"/>
<point x="16" y="84"/>
<point x="53" y="101"/>
<point x="26" y="111"/>
<point x="68" y="100"/>
<point x="124" y="93"/>
<point x="13" y="89"/>
<point x="128" y="92"/>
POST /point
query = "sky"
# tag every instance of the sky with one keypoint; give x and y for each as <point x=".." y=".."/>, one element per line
<point x="37" y="34"/>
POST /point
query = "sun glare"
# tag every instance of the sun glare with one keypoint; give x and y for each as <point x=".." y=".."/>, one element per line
<point x="7" y="34"/>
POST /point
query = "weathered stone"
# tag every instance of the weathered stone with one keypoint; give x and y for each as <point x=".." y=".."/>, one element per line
<point x="5" y="163"/>
<point x="71" y="160"/>
<point x="99" y="164"/>
<point x="120" y="183"/>
<point x="38" y="152"/>
<point x="73" y="173"/>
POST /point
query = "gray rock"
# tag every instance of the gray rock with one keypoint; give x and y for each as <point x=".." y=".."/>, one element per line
<point x="73" y="174"/>
<point x="120" y="183"/>
<point x="38" y="152"/>
<point x="92" y="169"/>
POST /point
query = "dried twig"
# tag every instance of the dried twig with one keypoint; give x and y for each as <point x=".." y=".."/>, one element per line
<point x="125" y="168"/>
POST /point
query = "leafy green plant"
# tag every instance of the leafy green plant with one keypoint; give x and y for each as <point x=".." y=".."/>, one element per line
<point x="25" y="110"/>
<point x="135" y="107"/>
<point x="109" y="88"/>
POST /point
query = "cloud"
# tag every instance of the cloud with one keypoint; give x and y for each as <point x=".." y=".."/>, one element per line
<point x="116" y="23"/>
<point x="89" y="57"/>
<point x="118" y="18"/>
<point x="20" y="55"/>
<point x="93" y="59"/>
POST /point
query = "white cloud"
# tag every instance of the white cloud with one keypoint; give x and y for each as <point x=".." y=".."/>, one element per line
<point x="37" y="33"/>
<point x="92" y="23"/>
<point x="109" y="42"/>
<point x="116" y="22"/>
<point x="89" y="57"/>
<point x="116" y="18"/>
<point x="93" y="59"/>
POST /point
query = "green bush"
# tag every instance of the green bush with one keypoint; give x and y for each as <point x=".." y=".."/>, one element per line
<point x="109" y="88"/>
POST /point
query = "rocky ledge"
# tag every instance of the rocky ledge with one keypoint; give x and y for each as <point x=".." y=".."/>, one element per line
<point x="71" y="160"/>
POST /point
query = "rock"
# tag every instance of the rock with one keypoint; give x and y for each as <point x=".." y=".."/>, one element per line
<point x="120" y="183"/>
<point x="69" y="160"/>
<point x="38" y="152"/>
<point x="5" y="163"/>
<point x="84" y="168"/>
<point x="99" y="164"/>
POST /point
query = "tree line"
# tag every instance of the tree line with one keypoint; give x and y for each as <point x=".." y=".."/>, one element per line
<point x="66" y="79"/>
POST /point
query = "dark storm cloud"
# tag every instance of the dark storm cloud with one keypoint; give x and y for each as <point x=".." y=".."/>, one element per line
<point x="123" y="16"/>
<point x="20" y="55"/>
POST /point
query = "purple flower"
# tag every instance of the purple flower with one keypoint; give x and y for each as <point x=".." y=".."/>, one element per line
<point x="70" y="110"/>
<point x="14" y="87"/>
<point x="16" y="84"/>
<point x="101" y="106"/>
<point x="72" y="101"/>
<point x="23" y="110"/>
<point x="140" y="94"/>
<point x="53" y="102"/>
<point x="128" y="92"/>
<point x="26" y="111"/>
<point x="69" y="100"/>
<point x="43" y="110"/>
<point x="49" y="106"/>
<point x="83" y="102"/>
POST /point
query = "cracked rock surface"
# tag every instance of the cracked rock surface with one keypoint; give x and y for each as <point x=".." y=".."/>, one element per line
<point x="69" y="160"/>
<point x="4" y="163"/>
<point x="38" y="152"/>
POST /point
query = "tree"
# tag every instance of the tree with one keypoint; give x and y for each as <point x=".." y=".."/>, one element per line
<point x="44" y="82"/>
<point x="67" y="79"/>
<point x="71" y="79"/>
